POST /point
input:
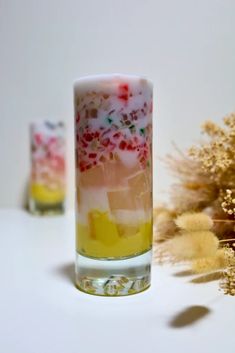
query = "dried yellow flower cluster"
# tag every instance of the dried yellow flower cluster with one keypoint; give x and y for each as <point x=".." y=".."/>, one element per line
<point x="205" y="181"/>
<point x="205" y="173"/>
<point x="217" y="155"/>
<point x="228" y="205"/>
<point x="228" y="282"/>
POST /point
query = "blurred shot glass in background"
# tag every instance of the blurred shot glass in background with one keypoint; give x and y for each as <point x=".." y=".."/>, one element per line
<point x="47" y="179"/>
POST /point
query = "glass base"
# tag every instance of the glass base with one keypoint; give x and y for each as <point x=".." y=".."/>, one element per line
<point x="109" y="277"/>
<point x="41" y="209"/>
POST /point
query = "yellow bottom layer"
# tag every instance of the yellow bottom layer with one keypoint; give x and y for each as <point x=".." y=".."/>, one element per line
<point x="105" y="238"/>
<point x="41" y="193"/>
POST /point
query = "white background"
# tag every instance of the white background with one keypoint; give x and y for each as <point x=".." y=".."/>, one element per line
<point x="186" y="47"/>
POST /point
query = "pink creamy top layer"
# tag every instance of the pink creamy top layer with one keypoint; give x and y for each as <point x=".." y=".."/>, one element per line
<point x="110" y="83"/>
<point x="113" y="122"/>
<point x="48" y="154"/>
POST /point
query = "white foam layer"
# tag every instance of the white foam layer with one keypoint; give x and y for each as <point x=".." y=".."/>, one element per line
<point x="110" y="82"/>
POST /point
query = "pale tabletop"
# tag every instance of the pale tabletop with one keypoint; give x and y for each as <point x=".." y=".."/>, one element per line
<point x="42" y="312"/>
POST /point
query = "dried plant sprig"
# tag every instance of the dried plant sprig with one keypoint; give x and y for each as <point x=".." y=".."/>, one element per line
<point x="212" y="129"/>
<point x="194" y="189"/>
<point x="192" y="221"/>
<point x="216" y="155"/>
<point x="228" y="204"/>
<point x="205" y="181"/>
<point x="194" y="240"/>
<point x="228" y="282"/>
<point x="220" y="260"/>
<point x="164" y="225"/>
<point x="229" y="121"/>
<point x="203" y="176"/>
<point x="193" y="245"/>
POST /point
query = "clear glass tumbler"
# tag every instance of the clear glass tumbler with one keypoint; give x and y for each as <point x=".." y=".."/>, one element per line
<point x="113" y="143"/>
<point x="47" y="180"/>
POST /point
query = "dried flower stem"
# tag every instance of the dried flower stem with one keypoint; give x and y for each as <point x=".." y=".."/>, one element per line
<point x="223" y="220"/>
<point x="226" y="240"/>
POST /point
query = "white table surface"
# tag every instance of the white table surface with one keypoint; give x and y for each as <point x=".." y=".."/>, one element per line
<point x="42" y="312"/>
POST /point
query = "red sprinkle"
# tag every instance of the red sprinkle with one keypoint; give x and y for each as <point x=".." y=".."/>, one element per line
<point x="122" y="145"/>
<point x="124" y="92"/>
<point x="105" y="142"/>
<point x="52" y="140"/>
<point x="88" y="137"/>
<point x="82" y="166"/>
<point x="130" y="147"/>
<point x="38" y="138"/>
<point x="117" y="135"/>
<point x="124" y="87"/>
<point x="77" y="118"/>
<point x="123" y="97"/>
<point x="92" y="155"/>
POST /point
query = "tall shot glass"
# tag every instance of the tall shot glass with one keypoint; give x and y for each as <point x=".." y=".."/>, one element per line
<point x="113" y="152"/>
<point x="47" y="179"/>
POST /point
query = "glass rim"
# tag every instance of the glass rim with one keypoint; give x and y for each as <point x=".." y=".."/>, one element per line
<point x="89" y="79"/>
